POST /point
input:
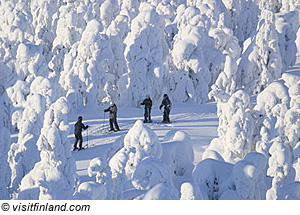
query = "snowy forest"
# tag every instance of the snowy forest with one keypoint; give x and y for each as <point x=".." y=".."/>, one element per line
<point x="231" y="65"/>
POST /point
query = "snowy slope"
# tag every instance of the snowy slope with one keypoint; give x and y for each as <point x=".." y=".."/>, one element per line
<point x="199" y="121"/>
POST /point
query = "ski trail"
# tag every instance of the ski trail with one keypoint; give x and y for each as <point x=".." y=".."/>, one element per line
<point x="199" y="121"/>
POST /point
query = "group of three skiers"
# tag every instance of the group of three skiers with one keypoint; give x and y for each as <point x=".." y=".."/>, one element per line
<point x="112" y="109"/>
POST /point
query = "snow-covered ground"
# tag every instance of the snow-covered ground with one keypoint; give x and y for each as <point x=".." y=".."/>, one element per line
<point x="199" y="121"/>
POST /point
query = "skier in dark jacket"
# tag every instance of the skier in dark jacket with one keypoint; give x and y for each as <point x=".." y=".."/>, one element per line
<point x="148" y="105"/>
<point x="113" y="117"/>
<point x="167" y="104"/>
<point x="78" y="130"/>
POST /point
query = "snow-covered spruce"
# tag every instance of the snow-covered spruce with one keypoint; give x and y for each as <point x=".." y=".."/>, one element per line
<point x="192" y="75"/>
<point x="261" y="62"/>
<point x="139" y="142"/>
<point x="100" y="169"/>
<point x="54" y="176"/>
<point x="272" y="104"/>
<point x="178" y="154"/>
<point x="244" y="180"/>
<point x="24" y="154"/>
<point x="145" y="54"/>
<point x="280" y="167"/>
<point x="236" y="125"/>
<point x="4" y="168"/>
<point x="86" y="78"/>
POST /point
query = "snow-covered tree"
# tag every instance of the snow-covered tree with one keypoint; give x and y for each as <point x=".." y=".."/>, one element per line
<point x="226" y="42"/>
<point x="71" y="22"/>
<point x="30" y="63"/>
<point x="191" y="76"/>
<point x="213" y="178"/>
<point x="4" y="167"/>
<point x="261" y="61"/>
<point x="16" y="21"/>
<point x="287" y="26"/>
<point x="117" y="32"/>
<point x="145" y="143"/>
<point x="24" y="154"/>
<point x="100" y="168"/>
<point x="190" y="192"/>
<point x="228" y="79"/>
<point x="178" y="155"/>
<point x="55" y="174"/>
<point x="145" y="54"/>
<point x="86" y="77"/>
<point x="244" y="180"/>
<point x="272" y="104"/>
<point x="109" y="9"/>
<point x="249" y="177"/>
<point x="150" y="172"/>
<point x="44" y="17"/>
<point x="140" y="142"/>
<point x="244" y="18"/>
<point x="214" y="9"/>
<point x="280" y="167"/>
<point x="129" y="8"/>
<point x="236" y="124"/>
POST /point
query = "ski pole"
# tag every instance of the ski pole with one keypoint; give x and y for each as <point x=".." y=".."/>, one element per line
<point x="87" y="138"/>
<point x="103" y="119"/>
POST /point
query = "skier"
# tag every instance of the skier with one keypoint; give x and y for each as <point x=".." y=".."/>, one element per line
<point x="148" y="105"/>
<point x="113" y="117"/>
<point x="78" y="129"/>
<point x="167" y="103"/>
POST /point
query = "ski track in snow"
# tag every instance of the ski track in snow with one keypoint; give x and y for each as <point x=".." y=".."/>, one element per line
<point x="199" y="121"/>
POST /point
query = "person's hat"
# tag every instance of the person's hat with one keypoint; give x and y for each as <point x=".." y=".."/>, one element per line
<point x="80" y="118"/>
<point x="147" y="96"/>
<point x="165" y="95"/>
